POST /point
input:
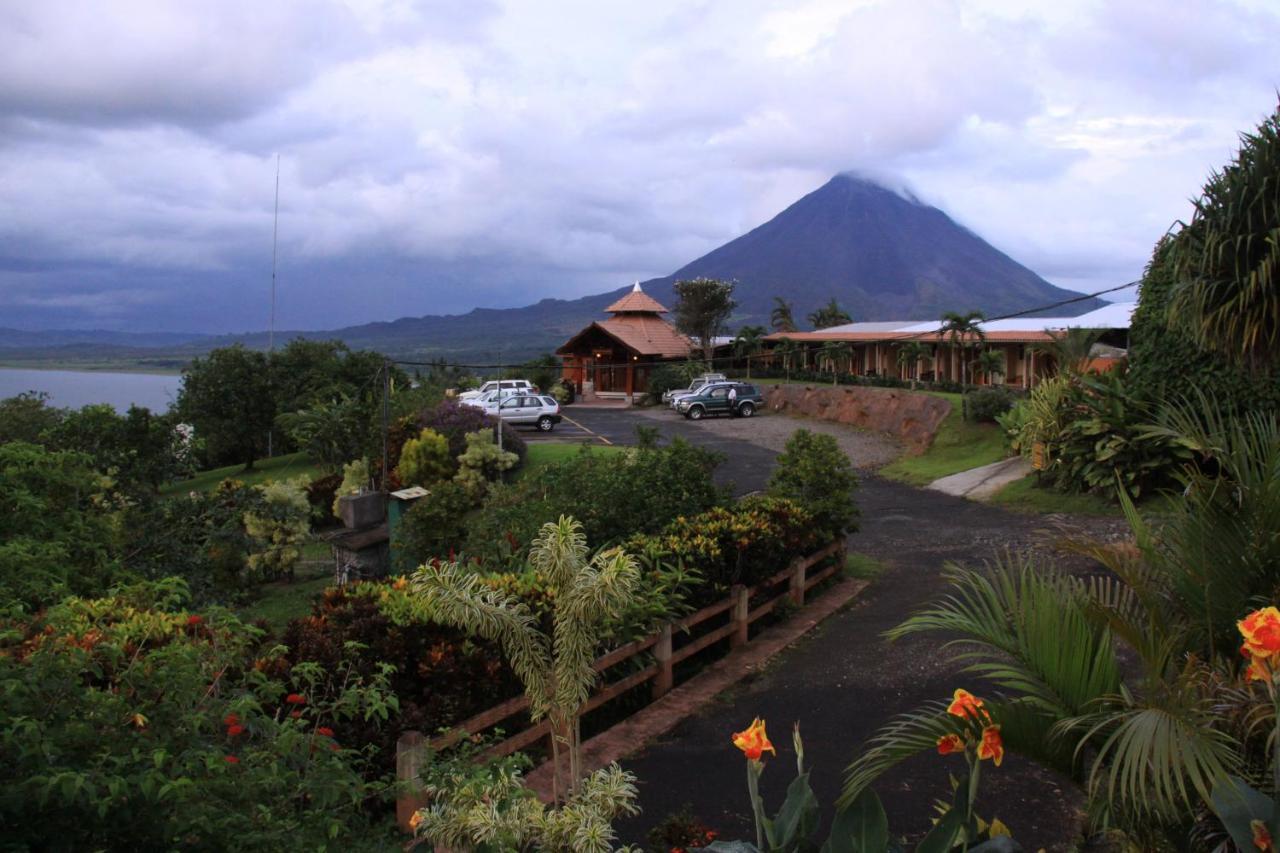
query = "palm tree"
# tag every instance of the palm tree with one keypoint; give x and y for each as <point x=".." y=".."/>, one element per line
<point x="556" y="670"/>
<point x="749" y="341"/>
<point x="1071" y="349"/>
<point x="781" y="317"/>
<point x="910" y="354"/>
<point x="830" y="354"/>
<point x="990" y="363"/>
<point x="963" y="331"/>
<point x="786" y="349"/>
<point x="829" y="315"/>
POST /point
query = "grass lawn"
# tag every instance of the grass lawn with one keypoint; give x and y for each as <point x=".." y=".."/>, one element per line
<point x="863" y="566"/>
<point x="958" y="446"/>
<point x="266" y="470"/>
<point x="1026" y="495"/>
<point x="280" y="601"/>
<point x="541" y="455"/>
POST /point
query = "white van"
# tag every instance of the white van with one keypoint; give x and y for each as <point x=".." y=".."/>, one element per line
<point x="507" y="386"/>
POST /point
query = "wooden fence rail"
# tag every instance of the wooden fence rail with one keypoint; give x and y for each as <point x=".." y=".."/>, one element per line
<point x="661" y="672"/>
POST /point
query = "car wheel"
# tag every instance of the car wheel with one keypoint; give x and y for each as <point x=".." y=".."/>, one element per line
<point x="546" y="424"/>
<point x="747" y="409"/>
<point x="695" y="414"/>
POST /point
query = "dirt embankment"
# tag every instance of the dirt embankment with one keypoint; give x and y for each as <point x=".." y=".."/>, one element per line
<point x="911" y="417"/>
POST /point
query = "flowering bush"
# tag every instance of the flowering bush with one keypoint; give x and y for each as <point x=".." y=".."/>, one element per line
<point x="744" y="543"/>
<point x="129" y="723"/>
<point x="454" y="421"/>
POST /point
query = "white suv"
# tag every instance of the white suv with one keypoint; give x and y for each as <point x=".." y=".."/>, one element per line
<point x="508" y="387"/>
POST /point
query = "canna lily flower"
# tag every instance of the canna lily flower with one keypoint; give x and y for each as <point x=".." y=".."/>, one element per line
<point x="948" y="744"/>
<point x="965" y="705"/>
<point x="1258" y="670"/>
<point x="992" y="745"/>
<point x="1261" y="835"/>
<point x="753" y="742"/>
<point x="1261" y="632"/>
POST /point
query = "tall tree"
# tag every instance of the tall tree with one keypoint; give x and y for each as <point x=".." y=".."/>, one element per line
<point x="990" y="363"/>
<point x="750" y="340"/>
<point x="830" y="354"/>
<point x="781" y="318"/>
<point x="1227" y="259"/>
<point x="703" y="306"/>
<point x="963" y="331"/>
<point x="829" y="315"/>
<point x="227" y="396"/>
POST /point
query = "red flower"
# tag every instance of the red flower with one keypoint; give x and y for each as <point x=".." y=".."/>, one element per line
<point x="235" y="729"/>
<point x="296" y="699"/>
<point x="193" y="619"/>
<point x="992" y="745"/>
<point x="293" y="715"/>
<point x="965" y="704"/>
<point x="325" y="731"/>
<point x="334" y="746"/>
<point x="948" y="744"/>
<point x="230" y="719"/>
<point x="230" y="759"/>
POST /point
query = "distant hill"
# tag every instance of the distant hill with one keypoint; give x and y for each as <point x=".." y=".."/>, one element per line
<point x="882" y="255"/>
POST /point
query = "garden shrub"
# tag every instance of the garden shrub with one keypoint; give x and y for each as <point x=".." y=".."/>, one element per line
<point x="425" y="460"/>
<point x="277" y="527"/>
<point x="439" y="676"/>
<point x="355" y="479"/>
<point x="613" y="495"/>
<point x="128" y="723"/>
<point x="988" y="403"/>
<point x="813" y="471"/>
<point x="455" y="421"/>
<point x="482" y="464"/>
<point x="744" y="543"/>
<point x="321" y="493"/>
<point x="666" y="377"/>
<point x="434" y="526"/>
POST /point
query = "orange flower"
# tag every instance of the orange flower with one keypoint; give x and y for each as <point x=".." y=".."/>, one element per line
<point x="1261" y="835"/>
<point x="948" y="744"/>
<point x="415" y="820"/>
<point x="965" y="704"/>
<point x="1261" y="632"/>
<point x="1258" y="670"/>
<point x="753" y="742"/>
<point x="992" y="746"/>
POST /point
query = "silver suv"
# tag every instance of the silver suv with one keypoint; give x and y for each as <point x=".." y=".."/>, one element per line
<point x="695" y="386"/>
<point x="531" y="410"/>
<point x="508" y="387"/>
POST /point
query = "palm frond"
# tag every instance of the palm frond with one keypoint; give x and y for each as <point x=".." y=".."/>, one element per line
<point x="898" y="740"/>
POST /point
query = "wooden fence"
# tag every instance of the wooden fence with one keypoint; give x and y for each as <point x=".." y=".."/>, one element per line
<point x="409" y="749"/>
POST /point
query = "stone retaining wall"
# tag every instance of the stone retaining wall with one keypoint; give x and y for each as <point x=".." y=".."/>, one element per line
<point x="909" y="416"/>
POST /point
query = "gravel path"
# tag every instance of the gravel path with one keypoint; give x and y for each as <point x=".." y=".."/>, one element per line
<point x="868" y="450"/>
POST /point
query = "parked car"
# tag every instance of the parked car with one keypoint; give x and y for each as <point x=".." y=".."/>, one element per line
<point x="489" y="400"/>
<point x="521" y="386"/>
<point x="694" y="387"/>
<point x="715" y="400"/>
<point x="538" y="410"/>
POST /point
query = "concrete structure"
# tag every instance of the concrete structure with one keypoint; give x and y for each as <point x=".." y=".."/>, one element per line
<point x="872" y="348"/>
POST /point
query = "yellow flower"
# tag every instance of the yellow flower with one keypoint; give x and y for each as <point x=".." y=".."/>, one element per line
<point x="753" y="742"/>
<point x="415" y="820"/>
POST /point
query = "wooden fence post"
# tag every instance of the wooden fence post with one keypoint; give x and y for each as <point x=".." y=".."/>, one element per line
<point x="797" y="583"/>
<point x="411" y="753"/>
<point x="665" y="676"/>
<point x="740" y="615"/>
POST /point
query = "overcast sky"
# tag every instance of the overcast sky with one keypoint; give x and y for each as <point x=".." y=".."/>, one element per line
<point x="438" y="156"/>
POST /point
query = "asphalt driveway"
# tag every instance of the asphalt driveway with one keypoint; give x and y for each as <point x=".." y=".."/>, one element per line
<point x="843" y="681"/>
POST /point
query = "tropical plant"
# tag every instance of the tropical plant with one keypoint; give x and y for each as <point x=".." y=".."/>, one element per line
<point x="829" y="315"/>
<point x="963" y="331"/>
<point x="556" y="668"/>
<point x="355" y="480"/>
<point x="1151" y="742"/>
<point x="1227" y="259"/>
<point x="786" y="349"/>
<point x="331" y="431"/>
<point x="750" y="340"/>
<point x="830" y="354"/>
<point x="780" y="317"/>
<point x="990" y="403"/>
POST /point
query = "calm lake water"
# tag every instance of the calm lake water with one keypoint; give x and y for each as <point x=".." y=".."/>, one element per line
<point x="72" y="389"/>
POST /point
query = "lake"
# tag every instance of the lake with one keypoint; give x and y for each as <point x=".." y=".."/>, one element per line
<point x="72" y="389"/>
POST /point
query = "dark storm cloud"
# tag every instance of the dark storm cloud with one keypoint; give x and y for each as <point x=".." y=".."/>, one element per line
<point x="437" y="156"/>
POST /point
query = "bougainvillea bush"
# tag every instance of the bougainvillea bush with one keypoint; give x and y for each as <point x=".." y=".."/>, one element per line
<point x="128" y="722"/>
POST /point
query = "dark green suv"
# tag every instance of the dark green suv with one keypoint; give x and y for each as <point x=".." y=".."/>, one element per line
<point x="721" y="398"/>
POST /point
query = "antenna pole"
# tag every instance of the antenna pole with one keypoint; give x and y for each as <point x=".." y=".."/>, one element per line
<point x="275" y="226"/>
